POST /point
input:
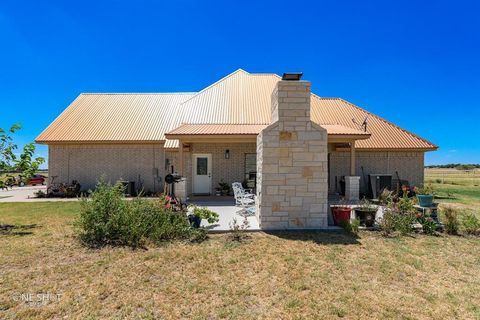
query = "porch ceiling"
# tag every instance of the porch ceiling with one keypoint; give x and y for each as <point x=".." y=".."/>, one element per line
<point x="247" y="133"/>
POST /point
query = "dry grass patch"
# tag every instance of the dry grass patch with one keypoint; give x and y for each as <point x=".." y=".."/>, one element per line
<point x="268" y="276"/>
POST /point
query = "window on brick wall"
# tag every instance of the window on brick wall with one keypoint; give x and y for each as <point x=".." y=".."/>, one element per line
<point x="251" y="169"/>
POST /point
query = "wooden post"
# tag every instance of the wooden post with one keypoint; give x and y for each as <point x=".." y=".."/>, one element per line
<point x="352" y="158"/>
<point x="180" y="155"/>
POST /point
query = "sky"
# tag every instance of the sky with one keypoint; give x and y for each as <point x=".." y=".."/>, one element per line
<point x="415" y="63"/>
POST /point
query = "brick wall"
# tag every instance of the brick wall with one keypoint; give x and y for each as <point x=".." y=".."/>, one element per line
<point x="408" y="164"/>
<point x="88" y="162"/>
<point x="229" y="170"/>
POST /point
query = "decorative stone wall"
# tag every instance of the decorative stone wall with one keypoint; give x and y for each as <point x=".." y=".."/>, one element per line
<point x="409" y="165"/>
<point x="292" y="163"/>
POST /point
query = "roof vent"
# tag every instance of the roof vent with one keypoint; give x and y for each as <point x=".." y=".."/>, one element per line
<point x="292" y="76"/>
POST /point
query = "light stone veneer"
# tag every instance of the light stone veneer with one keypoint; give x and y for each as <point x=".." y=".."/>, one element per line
<point x="292" y="165"/>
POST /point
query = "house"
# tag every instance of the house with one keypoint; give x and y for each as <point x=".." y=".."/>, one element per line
<point x="296" y="146"/>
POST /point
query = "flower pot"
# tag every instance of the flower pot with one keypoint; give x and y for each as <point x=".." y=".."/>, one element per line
<point x="194" y="221"/>
<point x="367" y="217"/>
<point x="341" y="214"/>
<point x="425" y="200"/>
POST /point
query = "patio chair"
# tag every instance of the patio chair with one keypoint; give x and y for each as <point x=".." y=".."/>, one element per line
<point x="243" y="192"/>
<point x="245" y="200"/>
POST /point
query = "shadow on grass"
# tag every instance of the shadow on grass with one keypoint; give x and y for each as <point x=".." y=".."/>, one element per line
<point x="17" y="230"/>
<point x="318" y="237"/>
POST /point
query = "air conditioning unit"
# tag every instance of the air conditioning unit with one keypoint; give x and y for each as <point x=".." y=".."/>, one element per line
<point x="377" y="183"/>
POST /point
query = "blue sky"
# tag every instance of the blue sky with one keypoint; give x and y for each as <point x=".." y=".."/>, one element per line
<point x="414" y="63"/>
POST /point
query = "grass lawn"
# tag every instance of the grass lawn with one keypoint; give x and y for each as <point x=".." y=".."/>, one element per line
<point x="463" y="187"/>
<point x="270" y="276"/>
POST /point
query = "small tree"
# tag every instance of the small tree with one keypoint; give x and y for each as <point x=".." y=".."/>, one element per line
<point x="9" y="162"/>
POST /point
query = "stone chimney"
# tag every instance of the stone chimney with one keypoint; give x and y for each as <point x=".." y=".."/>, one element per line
<point x="292" y="166"/>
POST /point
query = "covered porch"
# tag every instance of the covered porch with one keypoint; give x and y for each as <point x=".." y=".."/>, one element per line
<point x="207" y="155"/>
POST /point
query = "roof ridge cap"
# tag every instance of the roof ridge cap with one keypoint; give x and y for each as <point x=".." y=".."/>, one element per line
<point x="215" y="83"/>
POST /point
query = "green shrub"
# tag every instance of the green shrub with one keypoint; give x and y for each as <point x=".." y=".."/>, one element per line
<point x="355" y="226"/>
<point x="107" y="219"/>
<point x="471" y="224"/>
<point x="346" y="225"/>
<point x="451" y="220"/>
<point x="387" y="223"/>
<point x="99" y="220"/>
<point x="39" y="194"/>
<point x="429" y="226"/>
<point x="398" y="216"/>
<point x="403" y="222"/>
<point x="404" y="215"/>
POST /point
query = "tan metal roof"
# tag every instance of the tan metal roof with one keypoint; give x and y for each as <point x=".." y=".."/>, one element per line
<point x="217" y="129"/>
<point x="337" y="129"/>
<point x="238" y="99"/>
<point x="250" y="129"/>
<point x="115" y="117"/>
<point x="384" y="134"/>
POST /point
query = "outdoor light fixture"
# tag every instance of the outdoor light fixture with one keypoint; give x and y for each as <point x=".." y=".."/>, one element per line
<point x="292" y="76"/>
<point x="227" y="154"/>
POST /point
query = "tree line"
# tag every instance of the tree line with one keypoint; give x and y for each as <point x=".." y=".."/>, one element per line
<point x="459" y="166"/>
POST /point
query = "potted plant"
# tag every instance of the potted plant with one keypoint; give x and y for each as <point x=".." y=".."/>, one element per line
<point x="424" y="195"/>
<point x="224" y="188"/>
<point x="341" y="213"/>
<point x="196" y="214"/>
<point x="366" y="212"/>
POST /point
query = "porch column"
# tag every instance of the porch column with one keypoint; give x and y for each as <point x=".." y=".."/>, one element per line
<point x="352" y="158"/>
<point x="180" y="155"/>
<point x="352" y="182"/>
<point x="181" y="186"/>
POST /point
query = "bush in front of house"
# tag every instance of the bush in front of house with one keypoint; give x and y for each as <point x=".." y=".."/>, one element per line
<point x="451" y="223"/>
<point x="471" y="223"/>
<point x="107" y="219"/>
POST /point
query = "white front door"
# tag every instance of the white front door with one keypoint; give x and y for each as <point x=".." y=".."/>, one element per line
<point x="202" y="173"/>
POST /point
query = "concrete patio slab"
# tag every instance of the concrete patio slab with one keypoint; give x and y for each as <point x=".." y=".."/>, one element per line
<point x="227" y="211"/>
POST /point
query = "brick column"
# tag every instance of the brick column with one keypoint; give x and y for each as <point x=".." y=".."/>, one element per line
<point x="292" y="163"/>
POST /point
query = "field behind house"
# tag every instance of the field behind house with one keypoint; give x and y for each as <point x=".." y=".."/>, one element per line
<point x="459" y="188"/>
<point x="270" y="276"/>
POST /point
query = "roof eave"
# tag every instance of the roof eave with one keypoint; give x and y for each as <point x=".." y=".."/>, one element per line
<point x="52" y="142"/>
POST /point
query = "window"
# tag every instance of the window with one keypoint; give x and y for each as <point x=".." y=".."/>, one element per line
<point x="202" y="166"/>
<point x="251" y="169"/>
